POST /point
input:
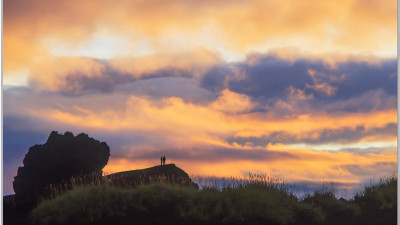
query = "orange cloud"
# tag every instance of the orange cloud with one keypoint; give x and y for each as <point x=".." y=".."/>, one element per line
<point x="52" y="74"/>
<point x="195" y="62"/>
<point x="230" y="27"/>
<point x="199" y="131"/>
<point x="231" y="102"/>
<point x="179" y="120"/>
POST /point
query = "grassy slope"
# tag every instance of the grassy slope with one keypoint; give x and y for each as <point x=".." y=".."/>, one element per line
<point x="162" y="203"/>
<point x="253" y="203"/>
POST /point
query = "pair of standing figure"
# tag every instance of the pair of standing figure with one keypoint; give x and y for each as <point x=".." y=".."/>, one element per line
<point x="162" y="160"/>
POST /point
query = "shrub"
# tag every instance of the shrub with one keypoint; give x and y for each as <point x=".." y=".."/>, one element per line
<point x="161" y="203"/>
<point x="333" y="210"/>
<point x="246" y="202"/>
<point x="378" y="202"/>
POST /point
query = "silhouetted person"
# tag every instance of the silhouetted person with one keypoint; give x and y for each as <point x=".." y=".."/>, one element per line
<point x="163" y="160"/>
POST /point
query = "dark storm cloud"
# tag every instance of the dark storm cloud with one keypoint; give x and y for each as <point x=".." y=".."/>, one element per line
<point x="215" y="79"/>
<point x="361" y="77"/>
<point x="377" y="99"/>
<point x="343" y="135"/>
<point x="264" y="78"/>
<point x="271" y="77"/>
<point x="348" y="86"/>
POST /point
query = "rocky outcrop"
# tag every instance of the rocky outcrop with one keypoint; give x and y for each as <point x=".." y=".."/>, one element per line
<point x="166" y="173"/>
<point x="61" y="158"/>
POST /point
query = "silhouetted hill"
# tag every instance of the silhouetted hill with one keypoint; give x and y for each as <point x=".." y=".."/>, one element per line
<point x="169" y="173"/>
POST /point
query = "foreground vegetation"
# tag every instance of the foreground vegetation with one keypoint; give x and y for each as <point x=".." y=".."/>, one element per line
<point x="255" y="201"/>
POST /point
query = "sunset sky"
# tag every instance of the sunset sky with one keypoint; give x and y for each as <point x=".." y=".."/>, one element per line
<point x="303" y="90"/>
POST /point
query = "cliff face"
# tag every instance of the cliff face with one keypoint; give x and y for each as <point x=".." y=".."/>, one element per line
<point x="167" y="173"/>
<point x="62" y="157"/>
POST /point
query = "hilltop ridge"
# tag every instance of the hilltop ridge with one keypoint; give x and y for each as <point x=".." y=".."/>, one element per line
<point x="169" y="173"/>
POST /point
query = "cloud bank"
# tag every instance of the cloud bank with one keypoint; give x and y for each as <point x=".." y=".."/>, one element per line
<point x="217" y="86"/>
